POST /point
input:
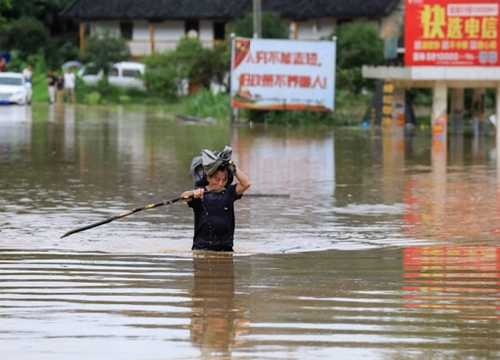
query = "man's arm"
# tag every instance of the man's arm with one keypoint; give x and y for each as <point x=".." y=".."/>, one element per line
<point x="197" y="193"/>
<point x="243" y="181"/>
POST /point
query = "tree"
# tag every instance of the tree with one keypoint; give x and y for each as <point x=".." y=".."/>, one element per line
<point x="4" y="5"/>
<point x="161" y="75"/>
<point x="103" y="49"/>
<point x="26" y="35"/>
<point x="192" y="60"/>
<point x="358" y="44"/>
<point x="166" y="73"/>
<point x="221" y="64"/>
<point x="38" y="8"/>
<point x="272" y="26"/>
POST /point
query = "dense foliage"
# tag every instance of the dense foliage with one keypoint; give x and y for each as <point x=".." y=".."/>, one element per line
<point x="103" y="49"/>
<point x="38" y="8"/>
<point x="358" y="44"/>
<point x="29" y="28"/>
<point x="27" y="35"/>
<point x="272" y="26"/>
<point x="172" y="74"/>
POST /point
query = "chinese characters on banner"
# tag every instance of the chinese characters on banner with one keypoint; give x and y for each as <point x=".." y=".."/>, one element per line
<point x="451" y="33"/>
<point x="282" y="74"/>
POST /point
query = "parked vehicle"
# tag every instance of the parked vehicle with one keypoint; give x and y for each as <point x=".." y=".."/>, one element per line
<point x="124" y="74"/>
<point x="14" y="89"/>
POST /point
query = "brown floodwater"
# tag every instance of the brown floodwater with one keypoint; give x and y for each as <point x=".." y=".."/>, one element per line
<point x="351" y="242"/>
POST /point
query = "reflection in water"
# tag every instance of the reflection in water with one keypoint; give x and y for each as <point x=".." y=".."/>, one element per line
<point x="15" y="131"/>
<point x="354" y="304"/>
<point x="284" y="161"/>
<point x="453" y="278"/>
<point x="214" y="319"/>
<point x="291" y="291"/>
<point x="462" y="208"/>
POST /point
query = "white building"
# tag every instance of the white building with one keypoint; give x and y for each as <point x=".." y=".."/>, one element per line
<point x="157" y="25"/>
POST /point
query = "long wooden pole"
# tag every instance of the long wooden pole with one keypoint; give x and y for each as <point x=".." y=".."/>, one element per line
<point x="137" y="209"/>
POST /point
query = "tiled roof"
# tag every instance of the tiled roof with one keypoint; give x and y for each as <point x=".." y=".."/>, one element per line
<point x="223" y="9"/>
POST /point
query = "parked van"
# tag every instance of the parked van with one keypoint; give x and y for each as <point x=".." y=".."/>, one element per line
<point x="124" y="74"/>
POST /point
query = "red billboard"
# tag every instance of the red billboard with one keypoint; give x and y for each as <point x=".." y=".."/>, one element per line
<point x="452" y="33"/>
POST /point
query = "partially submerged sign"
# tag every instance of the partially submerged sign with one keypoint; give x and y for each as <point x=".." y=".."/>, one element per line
<point x="452" y="33"/>
<point x="283" y="74"/>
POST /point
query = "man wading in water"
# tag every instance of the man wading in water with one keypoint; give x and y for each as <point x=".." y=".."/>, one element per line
<point x="214" y="212"/>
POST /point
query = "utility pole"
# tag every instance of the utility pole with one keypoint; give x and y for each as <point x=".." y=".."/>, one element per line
<point x="257" y="23"/>
<point x="231" y="110"/>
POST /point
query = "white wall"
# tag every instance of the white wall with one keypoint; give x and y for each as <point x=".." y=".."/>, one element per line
<point x="315" y="28"/>
<point x="206" y="30"/>
<point x="169" y="30"/>
<point x="140" y="30"/>
<point x="113" y="26"/>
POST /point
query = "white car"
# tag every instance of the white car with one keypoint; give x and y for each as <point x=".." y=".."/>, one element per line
<point x="124" y="74"/>
<point x="14" y="89"/>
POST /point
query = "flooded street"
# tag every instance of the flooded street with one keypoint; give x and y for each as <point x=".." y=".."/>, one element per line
<point x="350" y="243"/>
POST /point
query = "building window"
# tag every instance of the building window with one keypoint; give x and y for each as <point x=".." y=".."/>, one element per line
<point x="343" y="21"/>
<point x="126" y="29"/>
<point x="192" y="25"/>
<point x="219" y="30"/>
<point x="131" y="73"/>
<point x="316" y="26"/>
<point x="86" y="28"/>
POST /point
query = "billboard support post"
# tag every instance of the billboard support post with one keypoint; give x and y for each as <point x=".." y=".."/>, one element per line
<point x="231" y="113"/>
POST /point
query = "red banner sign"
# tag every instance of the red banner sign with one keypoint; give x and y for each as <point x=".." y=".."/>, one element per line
<point x="452" y="33"/>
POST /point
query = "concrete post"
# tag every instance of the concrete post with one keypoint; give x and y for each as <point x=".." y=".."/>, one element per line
<point x="457" y="111"/>
<point x="257" y="25"/>
<point x="393" y="153"/>
<point x="439" y="128"/>
<point x="497" y="130"/>
<point x="456" y="146"/>
<point x="456" y="140"/>
<point x="398" y="107"/>
<point x="387" y="103"/>
<point x="439" y="110"/>
<point x="478" y="108"/>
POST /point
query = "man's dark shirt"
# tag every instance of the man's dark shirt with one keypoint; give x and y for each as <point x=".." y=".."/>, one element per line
<point x="214" y="220"/>
<point x="51" y="80"/>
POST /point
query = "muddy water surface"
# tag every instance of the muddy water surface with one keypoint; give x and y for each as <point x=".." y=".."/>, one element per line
<point x="351" y="243"/>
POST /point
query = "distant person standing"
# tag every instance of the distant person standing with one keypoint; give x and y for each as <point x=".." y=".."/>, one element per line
<point x="27" y="73"/>
<point x="60" y="88"/>
<point x="3" y="64"/>
<point x="69" y="85"/>
<point x="51" y="80"/>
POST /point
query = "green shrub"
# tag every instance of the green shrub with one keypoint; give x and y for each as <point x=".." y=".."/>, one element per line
<point x="124" y="99"/>
<point x="205" y="104"/>
<point x="93" y="98"/>
<point x="190" y="61"/>
<point x="68" y="52"/>
<point x="161" y="76"/>
<point x="154" y="101"/>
